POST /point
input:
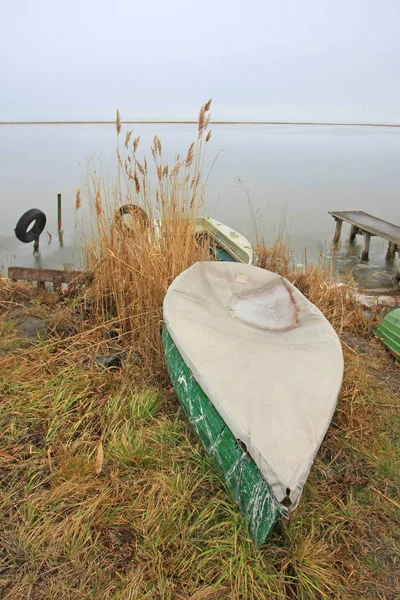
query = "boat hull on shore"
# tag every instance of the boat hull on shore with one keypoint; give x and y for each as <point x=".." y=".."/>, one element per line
<point x="258" y="370"/>
<point x="240" y="473"/>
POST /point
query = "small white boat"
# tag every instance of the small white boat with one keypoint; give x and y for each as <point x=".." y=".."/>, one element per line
<point x="226" y="243"/>
<point x="231" y="246"/>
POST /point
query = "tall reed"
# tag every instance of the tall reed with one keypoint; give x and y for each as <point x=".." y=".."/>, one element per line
<point x="133" y="257"/>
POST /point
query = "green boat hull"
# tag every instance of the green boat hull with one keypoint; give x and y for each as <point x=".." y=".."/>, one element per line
<point x="389" y="331"/>
<point x="239" y="472"/>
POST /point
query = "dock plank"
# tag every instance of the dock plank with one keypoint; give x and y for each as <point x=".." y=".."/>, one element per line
<point x="369" y="224"/>
<point x="55" y="276"/>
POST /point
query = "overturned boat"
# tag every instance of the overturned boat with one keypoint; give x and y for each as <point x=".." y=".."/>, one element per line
<point x="258" y="370"/>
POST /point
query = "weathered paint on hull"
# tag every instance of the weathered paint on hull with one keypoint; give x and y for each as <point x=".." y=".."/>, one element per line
<point x="240" y="473"/>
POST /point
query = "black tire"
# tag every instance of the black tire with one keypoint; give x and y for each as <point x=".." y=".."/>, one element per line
<point x="134" y="210"/>
<point x="21" y="230"/>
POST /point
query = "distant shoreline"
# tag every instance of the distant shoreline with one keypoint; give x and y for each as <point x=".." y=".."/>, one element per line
<point x="321" y="124"/>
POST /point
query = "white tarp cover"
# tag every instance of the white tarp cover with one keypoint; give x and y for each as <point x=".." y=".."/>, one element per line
<point x="267" y="359"/>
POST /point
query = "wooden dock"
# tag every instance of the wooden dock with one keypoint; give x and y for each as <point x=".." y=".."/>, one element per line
<point x="42" y="276"/>
<point x="367" y="225"/>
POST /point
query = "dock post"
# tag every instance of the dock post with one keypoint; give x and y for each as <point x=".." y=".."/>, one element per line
<point x="391" y="251"/>
<point x="59" y="219"/>
<point x="365" y="252"/>
<point x="338" y="231"/>
<point x="59" y="212"/>
<point x="353" y="233"/>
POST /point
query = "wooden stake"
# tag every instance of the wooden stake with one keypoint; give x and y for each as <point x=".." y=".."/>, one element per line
<point x="353" y="233"/>
<point x="391" y="251"/>
<point x="59" y="211"/>
<point x="57" y="281"/>
<point x="338" y="231"/>
<point x="365" y="253"/>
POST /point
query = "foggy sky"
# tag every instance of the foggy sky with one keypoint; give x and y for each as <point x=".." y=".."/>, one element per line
<point x="313" y="60"/>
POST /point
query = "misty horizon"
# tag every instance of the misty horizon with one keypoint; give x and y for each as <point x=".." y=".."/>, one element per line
<point x="291" y="62"/>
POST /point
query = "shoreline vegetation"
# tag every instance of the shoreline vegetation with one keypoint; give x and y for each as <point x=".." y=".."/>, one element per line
<point x="155" y="122"/>
<point x="105" y="490"/>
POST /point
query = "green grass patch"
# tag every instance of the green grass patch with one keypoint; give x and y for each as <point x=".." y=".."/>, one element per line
<point x="107" y="493"/>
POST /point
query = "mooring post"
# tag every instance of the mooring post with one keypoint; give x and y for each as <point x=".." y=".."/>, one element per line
<point x="353" y="233"/>
<point x="365" y="252"/>
<point x="391" y="251"/>
<point x="338" y="231"/>
<point x="60" y="231"/>
<point x="59" y="211"/>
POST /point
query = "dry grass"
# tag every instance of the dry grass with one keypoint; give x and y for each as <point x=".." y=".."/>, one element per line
<point x="134" y="258"/>
<point x="106" y="492"/>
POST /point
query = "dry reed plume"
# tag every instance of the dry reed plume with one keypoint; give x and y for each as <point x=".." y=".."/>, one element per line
<point x="78" y="201"/>
<point x="133" y="260"/>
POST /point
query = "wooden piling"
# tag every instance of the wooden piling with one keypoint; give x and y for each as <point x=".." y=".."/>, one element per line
<point x="391" y="251"/>
<point x="57" y="282"/>
<point x="338" y="231"/>
<point x="353" y="233"/>
<point x="365" y="252"/>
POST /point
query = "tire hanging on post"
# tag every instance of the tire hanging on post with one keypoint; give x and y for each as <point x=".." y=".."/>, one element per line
<point x="22" y="231"/>
<point x="134" y="210"/>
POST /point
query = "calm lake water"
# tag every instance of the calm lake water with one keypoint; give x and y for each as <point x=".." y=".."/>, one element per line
<point x="298" y="172"/>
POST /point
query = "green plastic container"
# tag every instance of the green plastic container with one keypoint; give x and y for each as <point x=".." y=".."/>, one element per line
<point x="389" y="332"/>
